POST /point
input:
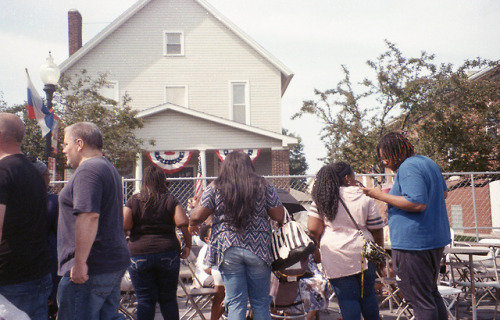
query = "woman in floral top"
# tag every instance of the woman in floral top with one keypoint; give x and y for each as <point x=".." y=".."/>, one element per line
<point x="240" y="244"/>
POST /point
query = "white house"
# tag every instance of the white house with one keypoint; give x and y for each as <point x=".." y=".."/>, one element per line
<point x="200" y="83"/>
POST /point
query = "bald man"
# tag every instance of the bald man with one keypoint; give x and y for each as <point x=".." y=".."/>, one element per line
<point x="25" y="278"/>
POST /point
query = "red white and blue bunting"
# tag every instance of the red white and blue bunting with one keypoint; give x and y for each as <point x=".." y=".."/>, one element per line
<point x="252" y="153"/>
<point x="170" y="161"/>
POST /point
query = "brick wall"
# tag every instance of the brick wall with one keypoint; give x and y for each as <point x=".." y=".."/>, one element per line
<point x="280" y="164"/>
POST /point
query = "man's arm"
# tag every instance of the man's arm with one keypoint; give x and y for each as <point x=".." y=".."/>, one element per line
<point x="3" y="208"/>
<point x="85" y="233"/>
<point x="395" y="201"/>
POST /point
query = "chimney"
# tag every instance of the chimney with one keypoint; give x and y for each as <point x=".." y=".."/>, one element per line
<point x="74" y="31"/>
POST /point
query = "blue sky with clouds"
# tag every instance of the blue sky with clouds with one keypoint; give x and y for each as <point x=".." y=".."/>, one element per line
<point x="313" y="38"/>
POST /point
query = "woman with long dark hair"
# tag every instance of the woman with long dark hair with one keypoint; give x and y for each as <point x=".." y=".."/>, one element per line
<point x="152" y="217"/>
<point x="240" y="244"/>
<point x="340" y="242"/>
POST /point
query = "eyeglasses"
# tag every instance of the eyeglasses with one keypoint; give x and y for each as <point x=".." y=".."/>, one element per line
<point x="74" y="140"/>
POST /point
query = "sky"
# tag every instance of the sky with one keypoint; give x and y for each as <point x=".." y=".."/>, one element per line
<point x="312" y="38"/>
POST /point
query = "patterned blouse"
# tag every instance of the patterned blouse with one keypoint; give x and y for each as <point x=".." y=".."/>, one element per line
<point x="256" y="237"/>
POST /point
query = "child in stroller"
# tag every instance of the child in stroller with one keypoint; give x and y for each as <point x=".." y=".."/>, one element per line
<point x="299" y="291"/>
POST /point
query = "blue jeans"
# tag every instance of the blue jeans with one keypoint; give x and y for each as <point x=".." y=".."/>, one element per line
<point x="30" y="297"/>
<point x="245" y="276"/>
<point x="98" y="298"/>
<point x="348" y="291"/>
<point x="155" y="277"/>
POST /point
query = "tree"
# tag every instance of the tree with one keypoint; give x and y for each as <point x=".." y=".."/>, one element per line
<point x="298" y="163"/>
<point x="442" y="111"/>
<point x="33" y="144"/>
<point x="79" y="100"/>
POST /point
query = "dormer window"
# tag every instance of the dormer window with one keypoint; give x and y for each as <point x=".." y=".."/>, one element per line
<point x="173" y="43"/>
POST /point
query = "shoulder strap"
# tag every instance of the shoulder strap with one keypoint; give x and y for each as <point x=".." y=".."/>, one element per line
<point x="353" y="221"/>
<point x="349" y="213"/>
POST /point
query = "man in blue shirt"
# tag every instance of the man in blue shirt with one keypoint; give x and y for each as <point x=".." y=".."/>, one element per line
<point x="418" y="223"/>
<point x="91" y="245"/>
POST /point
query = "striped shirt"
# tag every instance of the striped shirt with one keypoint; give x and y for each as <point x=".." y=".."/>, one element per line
<point x="256" y="237"/>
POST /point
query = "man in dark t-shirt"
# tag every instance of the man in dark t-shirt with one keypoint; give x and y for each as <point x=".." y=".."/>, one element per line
<point x="25" y="278"/>
<point x="91" y="245"/>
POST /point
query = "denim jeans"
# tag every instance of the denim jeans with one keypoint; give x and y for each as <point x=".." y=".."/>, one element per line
<point x="98" y="298"/>
<point x="246" y="276"/>
<point x="155" y="277"/>
<point x="30" y="297"/>
<point x="348" y="291"/>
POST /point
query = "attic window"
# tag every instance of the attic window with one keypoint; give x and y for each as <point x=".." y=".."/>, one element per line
<point x="174" y="43"/>
<point x="110" y="91"/>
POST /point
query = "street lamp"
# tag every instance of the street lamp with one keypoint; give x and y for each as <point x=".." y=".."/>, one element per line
<point x="50" y="73"/>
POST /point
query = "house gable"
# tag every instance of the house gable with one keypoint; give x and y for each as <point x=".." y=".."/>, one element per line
<point x="175" y="128"/>
<point x="216" y="53"/>
<point x="286" y="74"/>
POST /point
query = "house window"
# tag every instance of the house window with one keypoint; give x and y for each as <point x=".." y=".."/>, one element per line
<point x="110" y="91"/>
<point x="240" y="110"/>
<point x="176" y="95"/>
<point x="492" y="127"/>
<point x="173" y="43"/>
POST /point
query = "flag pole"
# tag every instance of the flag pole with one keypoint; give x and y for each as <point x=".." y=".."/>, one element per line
<point x="49" y="94"/>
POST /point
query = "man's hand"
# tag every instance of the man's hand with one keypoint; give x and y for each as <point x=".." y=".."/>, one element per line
<point x="79" y="273"/>
<point x="375" y="193"/>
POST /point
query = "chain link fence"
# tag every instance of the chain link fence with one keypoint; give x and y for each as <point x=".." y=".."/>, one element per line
<point x="473" y="201"/>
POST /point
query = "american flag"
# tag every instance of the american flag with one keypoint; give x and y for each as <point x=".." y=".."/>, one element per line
<point x="199" y="182"/>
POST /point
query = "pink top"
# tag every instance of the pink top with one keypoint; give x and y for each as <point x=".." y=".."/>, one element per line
<point x="341" y="243"/>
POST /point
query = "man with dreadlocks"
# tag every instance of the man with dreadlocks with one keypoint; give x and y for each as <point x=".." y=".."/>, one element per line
<point x="418" y="223"/>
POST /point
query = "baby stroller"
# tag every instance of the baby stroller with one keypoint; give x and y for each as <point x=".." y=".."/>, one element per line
<point x="298" y="290"/>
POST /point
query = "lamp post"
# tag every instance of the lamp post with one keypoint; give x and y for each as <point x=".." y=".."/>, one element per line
<point x="50" y="73"/>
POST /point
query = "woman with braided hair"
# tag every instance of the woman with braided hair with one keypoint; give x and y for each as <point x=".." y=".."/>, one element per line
<point x="340" y="243"/>
<point x="418" y="223"/>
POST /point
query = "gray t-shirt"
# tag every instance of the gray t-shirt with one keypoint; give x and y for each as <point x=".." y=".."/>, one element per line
<point x="95" y="187"/>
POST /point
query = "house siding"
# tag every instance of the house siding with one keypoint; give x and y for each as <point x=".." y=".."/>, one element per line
<point x="214" y="56"/>
<point x="176" y="131"/>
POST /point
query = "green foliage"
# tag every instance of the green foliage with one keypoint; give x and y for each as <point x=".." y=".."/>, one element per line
<point x="79" y="100"/>
<point x="442" y="111"/>
<point x="298" y="163"/>
<point x="33" y="143"/>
